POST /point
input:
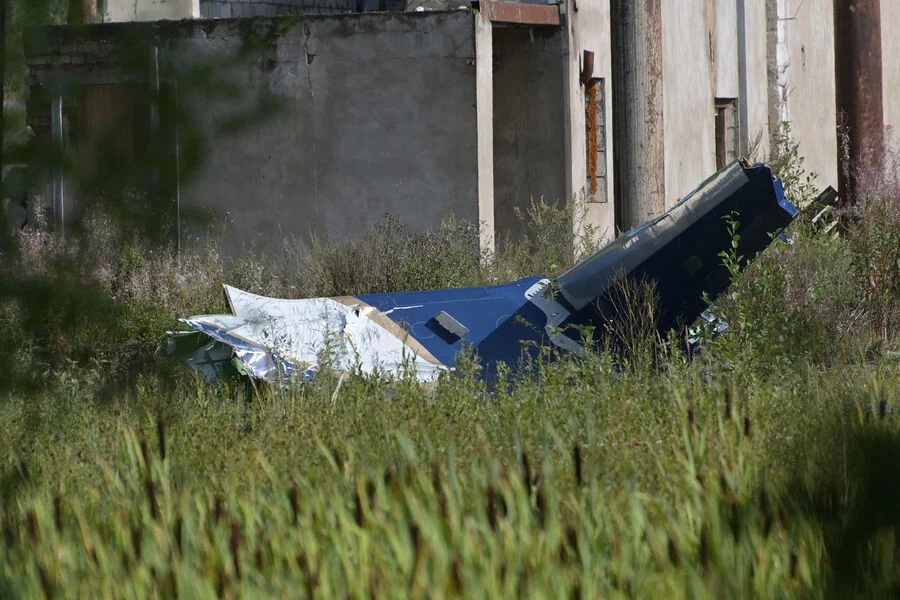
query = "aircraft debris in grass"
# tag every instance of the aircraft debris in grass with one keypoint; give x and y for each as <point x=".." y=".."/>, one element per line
<point x="424" y="332"/>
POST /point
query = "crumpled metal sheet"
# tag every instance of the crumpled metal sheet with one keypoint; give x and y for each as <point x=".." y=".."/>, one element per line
<point x="281" y="340"/>
<point x="421" y="333"/>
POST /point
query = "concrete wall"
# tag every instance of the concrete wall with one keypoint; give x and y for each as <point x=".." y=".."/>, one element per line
<point x="588" y="28"/>
<point x="725" y="58"/>
<point x="890" y="60"/>
<point x="806" y="88"/>
<point x="150" y="10"/>
<point x="753" y="98"/>
<point x="740" y="68"/>
<point x="529" y="121"/>
<point x="688" y="112"/>
<point x="216" y="9"/>
<point x="378" y="114"/>
<point x="310" y="125"/>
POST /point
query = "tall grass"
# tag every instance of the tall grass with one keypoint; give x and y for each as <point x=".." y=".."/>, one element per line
<point x="763" y="469"/>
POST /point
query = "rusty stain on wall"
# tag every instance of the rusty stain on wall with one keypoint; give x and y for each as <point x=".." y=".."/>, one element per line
<point x="592" y="149"/>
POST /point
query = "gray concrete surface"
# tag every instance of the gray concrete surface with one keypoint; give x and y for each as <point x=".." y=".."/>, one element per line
<point x="890" y="62"/>
<point x="726" y="47"/>
<point x="529" y="122"/>
<point x="806" y="89"/>
<point x="483" y="169"/>
<point x="753" y="101"/>
<point x="688" y="97"/>
<point x="311" y="125"/>
<point x="376" y="114"/>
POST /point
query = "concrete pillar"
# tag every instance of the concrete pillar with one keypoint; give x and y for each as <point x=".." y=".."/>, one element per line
<point x="484" y="120"/>
<point x="638" y="110"/>
<point x="59" y="179"/>
<point x="858" y="75"/>
<point x="2" y="80"/>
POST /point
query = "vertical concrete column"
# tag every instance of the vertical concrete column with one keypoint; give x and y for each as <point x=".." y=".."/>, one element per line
<point x="2" y="80"/>
<point x="743" y="88"/>
<point x="59" y="179"/>
<point x="638" y="110"/>
<point x="484" y="107"/>
<point x="857" y="67"/>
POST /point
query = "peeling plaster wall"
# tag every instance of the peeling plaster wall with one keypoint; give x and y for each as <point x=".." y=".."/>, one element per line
<point x="689" y="124"/>
<point x="117" y="11"/>
<point x="529" y="122"/>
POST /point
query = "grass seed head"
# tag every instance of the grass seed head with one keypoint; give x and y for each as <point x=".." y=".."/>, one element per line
<point x="358" y="509"/>
<point x="161" y="436"/>
<point x="526" y="470"/>
<point x="137" y="536"/>
<point x="415" y="536"/>
<point x="150" y="487"/>
<point x="703" y="551"/>
<point x="48" y="585"/>
<point x="541" y="506"/>
<point x="57" y="512"/>
<point x="235" y="541"/>
<point x="33" y="528"/>
<point x="219" y="508"/>
<point x="572" y="541"/>
<point x="372" y="493"/>
<point x="728" y="413"/>
<point x="576" y="460"/>
<point x="145" y="452"/>
<point x="456" y="572"/>
<point x="294" y="499"/>
<point x="176" y="533"/>
<point x="674" y="552"/>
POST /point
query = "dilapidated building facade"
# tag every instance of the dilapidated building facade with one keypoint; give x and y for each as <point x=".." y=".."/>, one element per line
<point x="313" y="116"/>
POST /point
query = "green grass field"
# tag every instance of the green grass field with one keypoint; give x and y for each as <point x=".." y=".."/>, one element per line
<point x="767" y="467"/>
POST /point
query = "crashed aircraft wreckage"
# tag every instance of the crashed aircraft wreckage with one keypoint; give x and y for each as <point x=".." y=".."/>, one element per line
<point x="423" y="332"/>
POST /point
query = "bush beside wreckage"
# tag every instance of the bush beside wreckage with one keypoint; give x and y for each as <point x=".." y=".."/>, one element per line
<point x="424" y="332"/>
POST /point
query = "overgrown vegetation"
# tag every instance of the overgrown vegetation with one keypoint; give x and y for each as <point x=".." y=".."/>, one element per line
<point x="765" y="468"/>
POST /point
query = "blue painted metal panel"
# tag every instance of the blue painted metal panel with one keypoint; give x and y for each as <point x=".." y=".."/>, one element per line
<point x="499" y="319"/>
<point x="678" y="250"/>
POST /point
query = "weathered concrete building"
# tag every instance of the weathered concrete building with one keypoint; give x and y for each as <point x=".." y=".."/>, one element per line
<point x="314" y="123"/>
